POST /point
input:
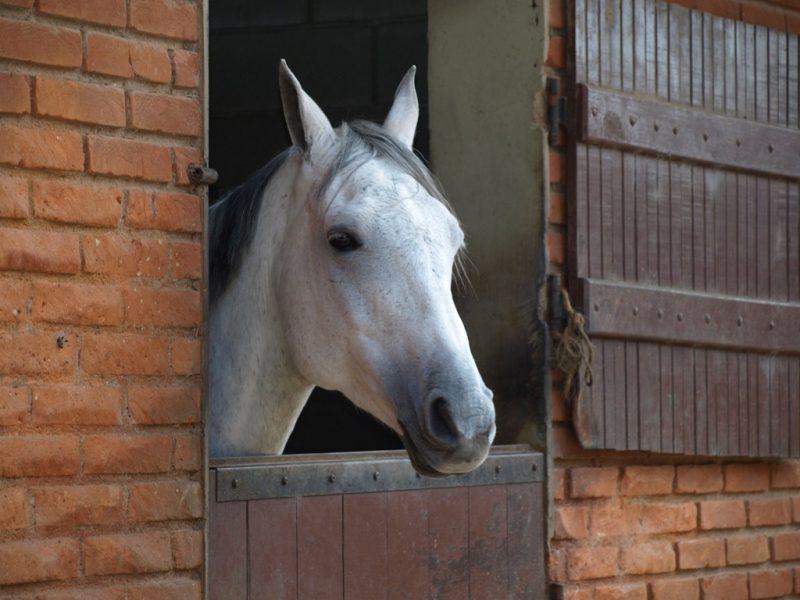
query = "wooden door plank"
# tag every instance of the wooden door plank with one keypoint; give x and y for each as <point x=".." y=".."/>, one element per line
<point x="525" y="538"/>
<point x="448" y="527"/>
<point x="662" y="49"/>
<point x="732" y="403"/>
<point x="742" y="420"/>
<point x="227" y="547"/>
<point x="779" y="240"/>
<point x="627" y="41"/>
<point x="793" y="83"/>
<point x="595" y="215"/>
<point x="365" y="547"/>
<point x="779" y="431"/>
<point x="760" y="75"/>
<point x="793" y="234"/>
<point x="762" y="237"/>
<point x="633" y="395"/>
<point x="628" y="233"/>
<point x="649" y="411"/>
<point x="794" y="407"/>
<point x="272" y="549"/>
<point x="752" y="404"/>
<point x="764" y="385"/>
<point x="666" y="397"/>
<point x="488" y="566"/>
<point x="408" y="552"/>
<point x="701" y="400"/>
<point x="319" y="548"/>
<point x="611" y="393"/>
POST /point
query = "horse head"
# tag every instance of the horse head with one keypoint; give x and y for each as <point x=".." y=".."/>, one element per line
<point x="363" y="286"/>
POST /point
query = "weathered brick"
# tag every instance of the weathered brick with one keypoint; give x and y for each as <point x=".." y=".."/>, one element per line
<point x="18" y="3"/>
<point x="76" y="506"/>
<point x="187" y="260"/>
<point x="670" y="589"/>
<point x="105" y="12"/>
<point x="164" y="501"/>
<point x="187" y="68"/>
<point x="748" y="477"/>
<point x="13" y="509"/>
<point x="14" y="405"/>
<point x="747" y="550"/>
<point x="41" y="147"/>
<point x="571" y="522"/>
<point x="771" y="511"/>
<point x="14" y="197"/>
<point x="150" y="62"/>
<point x="183" y="158"/>
<point x="165" y="114"/>
<point x="77" y="405"/>
<point x="37" y="354"/>
<point x="648" y="557"/>
<point x="82" y="102"/>
<point x="63" y="202"/>
<point x="699" y="479"/>
<point x="647" y="480"/>
<point x="162" y="307"/>
<point x="186" y="356"/>
<point x="786" y="546"/>
<point x="796" y="509"/>
<point x="722" y="514"/>
<point x="112" y="453"/>
<point x="79" y="304"/>
<point x="556" y="247"/>
<point x="127" y="553"/>
<point x="725" y="587"/>
<point x="557" y="564"/>
<point x="165" y="211"/>
<point x="108" y="54"/>
<point x="15" y="93"/>
<point x="112" y="254"/>
<point x="129" y="158"/>
<point x="621" y="591"/>
<point x="14" y="296"/>
<point x="38" y="560"/>
<point x="559" y="483"/>
<point x="112" y="592"/>
<point x="125" y="354"/>
<point x="558" y="208"/>
<point x="170" y="18"/>
<point x="701" y="553"/>
<point x="593" y="482"/>
<point x="664" y="517"/>
<point x="164" y="405"/>
<point x="556" y="13"/>
<point x="39" y="455"/>
<point x="187" y="549"/>
<point x="610" y="519"/>
<point x="771" y="584"/>
<point x="40" y="251"/>
<point x="188" y="453"/>
<point x="592" y="562"/>
<point x="33" y="42"/>
<point x="556" y="53"/>
<point x="786" y="474"/>
<point x="571" y="593"/>
<point x="175" y="589"/>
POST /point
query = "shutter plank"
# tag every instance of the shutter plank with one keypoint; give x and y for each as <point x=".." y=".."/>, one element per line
<point x="272" y="549"/>
<point x="408" y="550"/>
<point x="319" y="547"/>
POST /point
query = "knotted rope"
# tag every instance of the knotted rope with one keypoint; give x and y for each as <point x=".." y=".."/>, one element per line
<point x="573" y="349"/>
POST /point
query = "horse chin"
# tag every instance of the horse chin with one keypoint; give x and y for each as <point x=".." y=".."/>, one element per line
<point x="436" y="466"/>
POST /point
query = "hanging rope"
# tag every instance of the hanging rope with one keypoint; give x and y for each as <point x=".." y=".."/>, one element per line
<point x="573" y="350"/>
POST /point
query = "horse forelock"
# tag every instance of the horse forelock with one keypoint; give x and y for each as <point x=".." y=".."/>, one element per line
<point x="232" y="220"/>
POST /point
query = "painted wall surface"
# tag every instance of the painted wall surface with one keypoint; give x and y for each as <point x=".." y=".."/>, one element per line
<point x="642" y="526"/>
<point x="488" y="148"/>
<point x="101" y="479"/>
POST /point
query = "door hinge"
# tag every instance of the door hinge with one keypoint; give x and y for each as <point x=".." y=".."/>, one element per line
<point x="556" y="110"/>
<point x="201" y="174"/>
<point x="557" y="311"/>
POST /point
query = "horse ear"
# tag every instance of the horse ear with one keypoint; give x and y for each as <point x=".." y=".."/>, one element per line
<point x="307" y="124"/>
<point x="401" y="121"/>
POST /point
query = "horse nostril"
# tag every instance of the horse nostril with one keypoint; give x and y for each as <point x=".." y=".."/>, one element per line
<point x="443" y="425"/>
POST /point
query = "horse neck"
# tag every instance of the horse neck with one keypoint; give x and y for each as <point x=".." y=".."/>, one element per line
<point x="255" y="393"/>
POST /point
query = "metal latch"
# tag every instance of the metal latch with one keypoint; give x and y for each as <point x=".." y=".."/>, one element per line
<point x="201" y="174"/>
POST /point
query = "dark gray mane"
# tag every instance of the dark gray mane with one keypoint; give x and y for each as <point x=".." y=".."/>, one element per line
<point x="232" y="220"/>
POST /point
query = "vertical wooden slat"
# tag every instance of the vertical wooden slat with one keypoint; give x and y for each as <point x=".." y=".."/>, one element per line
<point x="595" y="212"/>
<point x="448" y="527"/>
<point x="730" y="66"/>
<point x="760" y="74"/>
<point x="741" y="234"/>
<point x="751" y="203"/>
<point x="272" y="549"/>
<point x="701" y="400"/>
<point x="582" y="228"/>
<point x="793" y="83"/>
<point x="593" y="55"/>
<point x="227" y="547"/>
<point x="698" y="230"/>
<point x="779" y="432"/>
<point x="741" y="69"/>
<point x="649" y="37"/>
<point x="752" y="405"/>
<point x="633" y="395"/>
<point x="617" y="205"/>
<point x="731" y="407"/>
<point x="679" y="400"/>
<point x="642" y="206"/>
<point x="715" y="184"/>
<point x="779" y="242"/>
<point x="598" y="395"/>
<point x="680" y="54"/>
<point x="720" y="61"/>
<point x="649" y="400"/>
<point x="488" y="569"/>
<point x="731" y="231"/>
<point x="620" y="381"/>
<point x="607" y="208"/>
<point x="526" y="511"/>
<point x="794" y="407"/>
<point x="629" y="233"/>
<point x="717" y="396"/>
<point x="763" y="394"/>
<point x="662" y="49"/>
<point x="696" y="46"/>
<point x="742" y="420"/>
<point x="762" y="237"/>
<point x="708" y="61"/>
<point x="627" y="41"/>
<point x="663" y="239"/>
<point x="653" y="199"/>
<point x="580" y="41"/>
<point x="666" y="398"/>
<point x="793" y="234"/>
<point x="407" y="550"/>
<point x="365" y="547"/>
<point x="319" y="548"/>
<point x="773" y="75"/>
<point x="782" y="117"/>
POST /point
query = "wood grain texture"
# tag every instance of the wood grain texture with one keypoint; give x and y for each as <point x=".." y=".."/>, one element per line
<point x="227" y="548"/>
<point x="319" y="548"/>
<point x="272" y="549"/>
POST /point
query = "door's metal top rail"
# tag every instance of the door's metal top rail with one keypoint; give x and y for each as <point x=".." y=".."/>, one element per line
<point x="319" y="475"/>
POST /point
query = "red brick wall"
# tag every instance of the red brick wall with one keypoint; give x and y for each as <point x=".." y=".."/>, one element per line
<point x="648" y="527"/>
<point x="100" y="300"/>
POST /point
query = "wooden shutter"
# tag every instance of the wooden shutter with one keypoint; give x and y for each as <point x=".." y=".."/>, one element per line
<point x="685" y="230"/>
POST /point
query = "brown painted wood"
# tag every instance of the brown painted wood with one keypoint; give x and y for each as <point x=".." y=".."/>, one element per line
<point x="227" y="547"/>
<point x="408" y="549"/>
<point x="272" y="549"/>
<point x="448" y="527"/>
<point x="488" y="535"/>
<point x="526" y="530"/>
<point x="365" y="547"/>
<point x="319" y="548"/>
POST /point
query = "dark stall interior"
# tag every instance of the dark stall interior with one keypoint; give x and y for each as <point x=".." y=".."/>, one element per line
<point x="349" y="55"/>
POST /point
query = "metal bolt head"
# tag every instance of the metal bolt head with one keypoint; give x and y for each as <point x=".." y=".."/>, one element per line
<point x="674" y="131"/>
<point x="331" y="478"/>
<point x="635" y="310"/>
<point x="376" y="475"/>
<point x="705" y="137"/>
<point x="739" y="321"/>
<point x="660" y="313"/>
<point x="738" y="143"/>
<point x="772" y="324"/>
<point x="596" y="307"/>
<point x="594" y="111"/>
<point x="708" y="318"/>
<point x="632" y="120"/>
<point x="533" y="467"/>
<point x="497" y="469"/>
<point x="284" y="480"/>
<point x="655" y="127"/>
<point x="234" y="483"/>
<point x="679" y="316"/>
<point x="771" y="148"/>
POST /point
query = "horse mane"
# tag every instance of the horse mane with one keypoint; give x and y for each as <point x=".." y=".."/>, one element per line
<point x="233" y="218"/>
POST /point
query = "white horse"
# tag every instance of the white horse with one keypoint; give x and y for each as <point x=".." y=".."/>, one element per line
<point x="332" y="266"/>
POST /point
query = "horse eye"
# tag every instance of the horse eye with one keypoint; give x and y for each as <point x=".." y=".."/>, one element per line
<point x="343" y="241"/>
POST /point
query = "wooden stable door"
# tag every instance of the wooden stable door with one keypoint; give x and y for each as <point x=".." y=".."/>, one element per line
<point x="365" y="527"/>
<point x="685" y="229"/>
